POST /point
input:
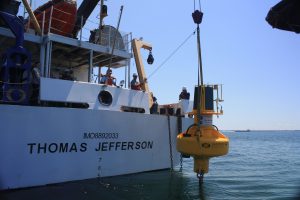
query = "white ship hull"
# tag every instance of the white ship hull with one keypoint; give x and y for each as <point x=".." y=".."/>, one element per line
<point x="93" y="129"/>
<point x="45" y="145"/>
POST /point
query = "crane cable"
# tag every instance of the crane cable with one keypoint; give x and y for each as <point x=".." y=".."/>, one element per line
<point x="172" y="54"/>
<point x="199" y="5"/>
<point x="197" y="17"/>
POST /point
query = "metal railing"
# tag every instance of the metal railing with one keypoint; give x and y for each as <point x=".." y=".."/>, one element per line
<point x="49" y="21"/>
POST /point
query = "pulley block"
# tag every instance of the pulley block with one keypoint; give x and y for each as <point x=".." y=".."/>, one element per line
<point x="197" y="16"/>
<point x="150" y="58"/>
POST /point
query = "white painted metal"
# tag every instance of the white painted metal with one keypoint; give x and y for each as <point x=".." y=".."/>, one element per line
<point x="186" y="106"/>
<point x="206" y="120"/>
<point x="44" y="145"/>
<point x="82" y="92"/>
<point x="33" y="144"/>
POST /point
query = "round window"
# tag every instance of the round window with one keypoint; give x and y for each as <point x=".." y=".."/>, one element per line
<point x="105" y="98"/>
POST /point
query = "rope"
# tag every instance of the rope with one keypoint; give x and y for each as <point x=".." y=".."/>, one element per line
<point x="194" y="5"/>
<point x="170" y="142"/>
<point x="99" y="168"/>
<point x="199" y="5"/>
<point x="9" y="83"/>
<point x="199" y="79"/>
<point x="179" y="129"/>
<point x="172" y="54"/>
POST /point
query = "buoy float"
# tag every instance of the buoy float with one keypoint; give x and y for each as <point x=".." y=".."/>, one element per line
<point x="202" y="140"/>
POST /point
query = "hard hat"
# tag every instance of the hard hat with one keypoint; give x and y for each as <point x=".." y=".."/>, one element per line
<point x="134" y="74"/>
<point x="183" y="88"/>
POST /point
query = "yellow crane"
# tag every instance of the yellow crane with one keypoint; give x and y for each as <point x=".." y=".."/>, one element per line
<point x="137" y="45"/>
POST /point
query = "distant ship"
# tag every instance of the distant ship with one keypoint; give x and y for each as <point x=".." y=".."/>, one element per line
<point x="247" y="130"/>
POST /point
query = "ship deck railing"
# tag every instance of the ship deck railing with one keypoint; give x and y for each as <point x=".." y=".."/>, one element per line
<point x="51" y="49"/>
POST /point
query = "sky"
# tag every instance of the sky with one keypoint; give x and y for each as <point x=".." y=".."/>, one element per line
<point x="257" y="65"/>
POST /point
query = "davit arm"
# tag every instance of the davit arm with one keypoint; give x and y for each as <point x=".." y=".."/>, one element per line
<point x="136" y="46"/>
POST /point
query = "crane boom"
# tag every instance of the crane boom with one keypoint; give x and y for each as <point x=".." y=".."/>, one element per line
<point x="136" y="46"/>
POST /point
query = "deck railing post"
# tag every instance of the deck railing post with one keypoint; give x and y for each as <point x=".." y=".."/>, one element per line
<point x="43" y="23"/>
<point x="42" y="59"/>
<point x="50" y="59"/>
<point x="90" y="66"/>
<point x="81" y="24"/>
<point x="129" y="63"/>
<point x="46" y="71"/>
<point x="50" y="19"/>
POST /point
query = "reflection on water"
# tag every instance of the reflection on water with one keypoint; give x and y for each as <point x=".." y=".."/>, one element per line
<point x="260" y="165"/>
<point x="153" y="185"/>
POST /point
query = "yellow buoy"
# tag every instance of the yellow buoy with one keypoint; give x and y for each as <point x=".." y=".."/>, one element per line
<point x="202" y="144"/>
<point x="202" y="140"/>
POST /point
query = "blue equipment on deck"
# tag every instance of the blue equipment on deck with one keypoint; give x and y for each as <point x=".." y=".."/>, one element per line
<point x="15" y="72"/>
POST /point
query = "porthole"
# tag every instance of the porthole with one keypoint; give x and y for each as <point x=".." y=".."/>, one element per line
<point x="105" y="98"/>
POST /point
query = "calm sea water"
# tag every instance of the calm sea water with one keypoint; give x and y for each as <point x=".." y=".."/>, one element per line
<point x="260" y="165"/>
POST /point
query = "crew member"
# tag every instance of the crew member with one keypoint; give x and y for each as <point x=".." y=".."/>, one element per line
<point x="108" y="79"/>
<point x="135" y="85"/>
<point x="184" y="94"/>
<point x="154" y="107"/>
<point x="35" y="85"/>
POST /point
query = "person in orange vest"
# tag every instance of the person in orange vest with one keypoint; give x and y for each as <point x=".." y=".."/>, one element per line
<point x="108" y="79"/>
